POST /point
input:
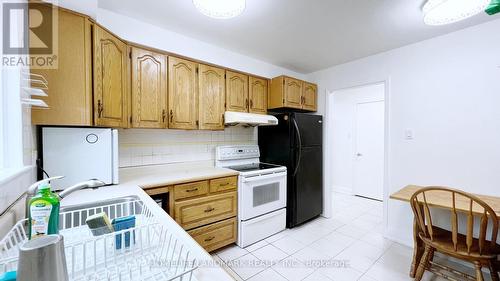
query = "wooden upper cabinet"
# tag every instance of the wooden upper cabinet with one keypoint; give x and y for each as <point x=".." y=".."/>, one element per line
<point x="70" y="84"/>
<point x="182" y="94"/>
<point x="149" y="89"/>
<point x="110" y="80"/>
<point x="211" y="86"/>
<point x="236" y="92"/>
<point x="257" y="94"/>
<point x="310" y="97"/>
<point x="293" y="93"/>
<point x="287" y="92"/>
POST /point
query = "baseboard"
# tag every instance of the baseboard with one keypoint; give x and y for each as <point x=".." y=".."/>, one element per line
<point x="342" y="189"/>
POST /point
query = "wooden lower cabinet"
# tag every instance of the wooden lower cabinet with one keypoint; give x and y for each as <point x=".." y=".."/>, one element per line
<point x="223" y="184"/>
<point x="192" y="189"/>
<point x="201" y="211"/>
<point x="207" y="210"/>
<point x="216" y="235"/>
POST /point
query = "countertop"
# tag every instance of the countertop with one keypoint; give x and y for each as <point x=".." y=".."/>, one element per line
<point x="163" y="175"/>
<point x="132" y="182"/>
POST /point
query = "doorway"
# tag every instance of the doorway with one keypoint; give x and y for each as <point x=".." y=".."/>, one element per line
<point x="357" y="140"/>
<point x="368" y="178"/>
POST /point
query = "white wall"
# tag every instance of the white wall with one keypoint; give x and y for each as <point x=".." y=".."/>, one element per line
<point x="342" y="120"/>
<point x="150" y="35"/>
<point x="153" y="36"/>
<point x="447" y="90"/>
<point x="140" y="147"/>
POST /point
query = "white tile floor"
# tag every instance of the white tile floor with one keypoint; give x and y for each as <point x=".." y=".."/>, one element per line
<point x="347" y="247"/>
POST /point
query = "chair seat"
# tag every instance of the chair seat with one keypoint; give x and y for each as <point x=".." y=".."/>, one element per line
<point x="442" y="241"/>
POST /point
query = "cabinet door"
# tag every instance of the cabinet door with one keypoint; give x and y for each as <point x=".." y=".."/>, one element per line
<point x="236" y="92"/>
<point x="309" y="97"/>
<point x="110" y="80"/>
<point x="182" y="94"/>
<point x="293" y="93"/>
<point x="149" y="89"/>
<point x="212" y="94"/>
<point x="258" y="95"/>
<point x="70" y="85"/>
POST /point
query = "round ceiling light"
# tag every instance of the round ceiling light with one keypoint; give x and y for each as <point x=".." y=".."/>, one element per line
<point x="439" y="12"/>
<point x="220" y="9"/>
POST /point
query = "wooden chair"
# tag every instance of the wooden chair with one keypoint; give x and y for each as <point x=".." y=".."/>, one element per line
<point x="479" y="251"/>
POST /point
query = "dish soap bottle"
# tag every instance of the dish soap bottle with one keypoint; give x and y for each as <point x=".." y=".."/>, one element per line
<point x="43" y="213"/>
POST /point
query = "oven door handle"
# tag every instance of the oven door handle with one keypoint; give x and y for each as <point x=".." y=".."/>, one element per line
<point x="265" y="177"/>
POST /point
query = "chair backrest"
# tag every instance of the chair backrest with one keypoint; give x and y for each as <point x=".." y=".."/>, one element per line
<point x="469" y="204"/>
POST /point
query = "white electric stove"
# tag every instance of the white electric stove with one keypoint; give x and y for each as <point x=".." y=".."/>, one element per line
<point x="261" y="192"/>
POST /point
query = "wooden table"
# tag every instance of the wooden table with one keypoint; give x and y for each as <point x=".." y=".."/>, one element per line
<point x="443" y="201"/>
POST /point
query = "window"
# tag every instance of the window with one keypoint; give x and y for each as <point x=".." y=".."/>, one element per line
<point x="2" y="110"/>
<point x="11" y="115"/>
<point x="11" y="121"/>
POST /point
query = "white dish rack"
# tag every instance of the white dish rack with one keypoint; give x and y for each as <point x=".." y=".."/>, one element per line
<point x="146" y="252"/>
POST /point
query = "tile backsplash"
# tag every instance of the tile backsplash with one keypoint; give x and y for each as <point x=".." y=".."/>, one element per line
<point x="140" y="147"/>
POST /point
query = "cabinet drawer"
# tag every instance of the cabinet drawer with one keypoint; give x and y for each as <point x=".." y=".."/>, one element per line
<point x="223" y="184"/>
<point x="216" y="235"/>
<point x="157" y="190"/>
<point x="201" y="211"/>
<point x="188" y="190"/>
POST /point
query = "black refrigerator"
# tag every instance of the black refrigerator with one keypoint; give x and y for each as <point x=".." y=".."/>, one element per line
<point x="297" y="143"/>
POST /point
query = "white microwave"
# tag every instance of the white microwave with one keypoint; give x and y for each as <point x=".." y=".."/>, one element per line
<point x="79" y="154"/>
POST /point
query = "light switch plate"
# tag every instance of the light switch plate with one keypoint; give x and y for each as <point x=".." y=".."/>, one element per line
<point x="409" y="135"/>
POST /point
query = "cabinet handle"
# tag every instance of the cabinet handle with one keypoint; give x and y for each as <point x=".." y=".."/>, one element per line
<point x="197" y="122"/>
<point x="224" y="184"/>
<point x="99" y="108"/>
<point x="246" y="103"/>
<point x="223" y="118"/>
<point x="209" y="209"/>
<point x="163" y="115"/>
<point x="192" y="190"/>
<point x="251" y="103"/>
<point x="210" y="239"/>
<point x="171" y="116"/>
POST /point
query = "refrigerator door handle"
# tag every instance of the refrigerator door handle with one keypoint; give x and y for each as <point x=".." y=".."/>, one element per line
<point x="300" y="147"/>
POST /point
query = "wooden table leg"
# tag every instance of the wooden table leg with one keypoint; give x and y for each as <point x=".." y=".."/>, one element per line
<point x="418" y="249"/>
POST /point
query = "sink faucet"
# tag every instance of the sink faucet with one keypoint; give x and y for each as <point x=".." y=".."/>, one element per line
<point x="92" y="183"/>
<point x="32" y="190"/>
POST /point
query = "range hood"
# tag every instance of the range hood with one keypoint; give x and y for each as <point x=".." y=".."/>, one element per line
<point x="248" y="119"/>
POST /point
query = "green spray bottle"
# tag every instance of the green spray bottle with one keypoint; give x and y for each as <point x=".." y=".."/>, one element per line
<point x="43" y="212"/>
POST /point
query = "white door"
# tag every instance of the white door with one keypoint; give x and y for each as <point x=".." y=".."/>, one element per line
<point x="369" y="150"/>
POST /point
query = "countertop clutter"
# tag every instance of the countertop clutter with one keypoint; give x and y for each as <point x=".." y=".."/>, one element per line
<point x="133" y="181"/>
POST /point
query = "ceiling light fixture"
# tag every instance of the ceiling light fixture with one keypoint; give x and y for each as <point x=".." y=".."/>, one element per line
<point x="440" y="12"/>
<point x="220" y="9"/>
